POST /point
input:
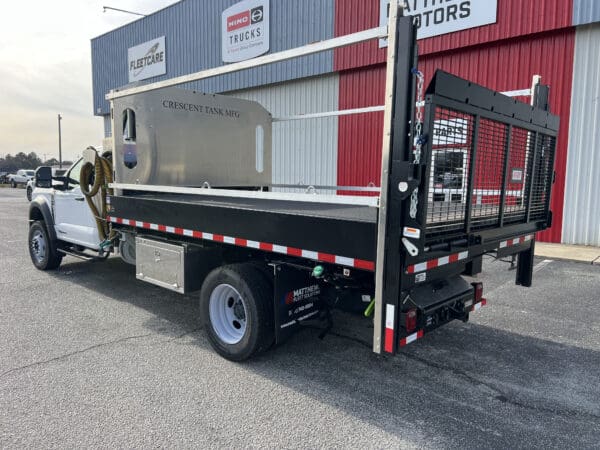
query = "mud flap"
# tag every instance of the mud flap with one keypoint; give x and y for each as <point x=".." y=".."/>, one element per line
<point x="297" y="298"/>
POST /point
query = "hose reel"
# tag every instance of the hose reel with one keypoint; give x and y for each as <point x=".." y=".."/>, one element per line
<point x="94" y="178"/>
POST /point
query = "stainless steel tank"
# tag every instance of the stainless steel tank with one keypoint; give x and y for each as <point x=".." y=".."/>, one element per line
<point x="178" y="137"/>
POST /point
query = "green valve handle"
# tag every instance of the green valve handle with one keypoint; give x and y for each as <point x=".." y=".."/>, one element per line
<point x="318" y="271"/>
<point x="369" y="311"/>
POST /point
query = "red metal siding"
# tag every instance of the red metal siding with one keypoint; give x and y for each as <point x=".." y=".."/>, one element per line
<point x="514" y="18"/>
<point x="360" y="135"/>
<point x="502" y="66"/>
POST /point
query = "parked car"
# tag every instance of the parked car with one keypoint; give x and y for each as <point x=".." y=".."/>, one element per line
<point x="3" y="177"/>
<point x="21" y="177"/>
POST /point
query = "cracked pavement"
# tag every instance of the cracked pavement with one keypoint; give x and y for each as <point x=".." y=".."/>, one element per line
<point x="91" y="357"/>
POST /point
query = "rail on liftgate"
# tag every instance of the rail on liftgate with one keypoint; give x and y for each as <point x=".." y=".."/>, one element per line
<point x="490" y="161"/>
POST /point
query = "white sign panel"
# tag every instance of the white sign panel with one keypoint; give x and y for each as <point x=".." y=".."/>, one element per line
<point x="245" y="30"/>
<point x="147" y="60"/>
<point x="450" y="131"/>
<point x="440" y="17"/>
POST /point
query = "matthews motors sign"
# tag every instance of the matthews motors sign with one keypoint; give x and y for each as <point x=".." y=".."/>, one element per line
<point x="435" y="17"/>
<point x="147" y="60"/>
<point x="245" y="30"/>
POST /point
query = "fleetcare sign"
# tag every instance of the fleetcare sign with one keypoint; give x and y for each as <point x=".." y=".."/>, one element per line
<point x="245" y="30"/>
<point x="436" y="17"/>
<point x="147" y="60"/>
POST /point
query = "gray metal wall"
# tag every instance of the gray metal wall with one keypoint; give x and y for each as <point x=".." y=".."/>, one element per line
<point x="581" y="222"/>
<point x="304" y="151"/>
<point x="586" y="11"/>
<point x="107" y="126"/>
<point x="192" y="30"/>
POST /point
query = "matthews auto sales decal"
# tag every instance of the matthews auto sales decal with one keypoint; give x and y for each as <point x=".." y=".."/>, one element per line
<point x="245" y="30"/>
<point x="435" y="17"/>
<point x="147" y="60"/>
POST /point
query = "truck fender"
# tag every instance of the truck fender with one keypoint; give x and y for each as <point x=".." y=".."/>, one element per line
<point x="39" y="209"/>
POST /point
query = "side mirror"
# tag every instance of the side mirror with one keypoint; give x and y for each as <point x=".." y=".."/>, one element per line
<point x="43" y="177"/>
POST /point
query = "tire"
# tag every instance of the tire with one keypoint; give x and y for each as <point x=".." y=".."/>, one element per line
<point x="238" y="293"/>
<point x="41" y="249"/>
<point x="14" y="184"/>
<point x="29" y="193"/>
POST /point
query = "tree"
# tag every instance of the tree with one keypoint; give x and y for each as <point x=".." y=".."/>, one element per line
<point x="19" y="161"/>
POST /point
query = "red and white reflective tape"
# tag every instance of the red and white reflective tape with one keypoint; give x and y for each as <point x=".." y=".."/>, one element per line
<point x="433" y="263"/>
<point x="477" y="306"/>
<point x="265" y="246"/>
<point x="390" y="318"/>
<point x="411" y="338"/>
<point x="516" y="241"/>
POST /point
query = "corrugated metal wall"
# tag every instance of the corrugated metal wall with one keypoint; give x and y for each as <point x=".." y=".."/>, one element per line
<point x="360" y="135"/>
<point x="514" y="18"/>
<point x="304" y="151"/>
<point x="586" y="11"/>
<point x="503" y="66"/>
<point x="582" y="191"/>
<point x="107" y="126"/>
<point x="192" y="30"/>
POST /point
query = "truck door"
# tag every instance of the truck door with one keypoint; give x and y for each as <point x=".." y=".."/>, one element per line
<point x="73" y="220"/>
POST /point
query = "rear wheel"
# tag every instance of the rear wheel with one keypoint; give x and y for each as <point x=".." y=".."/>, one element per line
<point x="29" y="193"/>
<point x="41" y="249"/>
<point x="236" y="306"/>
<point x="14" y="184"/>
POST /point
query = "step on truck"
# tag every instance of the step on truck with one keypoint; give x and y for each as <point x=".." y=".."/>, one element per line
<point x="186" y="195"/>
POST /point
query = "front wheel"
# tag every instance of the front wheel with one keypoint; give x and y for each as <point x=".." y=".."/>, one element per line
<point x="14" y="184"/>
<point x="236" y="306"/>
<point x="29" y="193"/>
<point x="41" y="249"/>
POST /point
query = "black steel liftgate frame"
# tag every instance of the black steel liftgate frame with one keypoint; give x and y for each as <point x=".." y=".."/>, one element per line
<point x="450" y="237"/>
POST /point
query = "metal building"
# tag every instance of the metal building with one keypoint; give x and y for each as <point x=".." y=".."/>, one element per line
<point x="557" y="39"/>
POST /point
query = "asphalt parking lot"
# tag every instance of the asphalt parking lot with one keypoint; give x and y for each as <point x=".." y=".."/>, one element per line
<point x="89" y="356"/>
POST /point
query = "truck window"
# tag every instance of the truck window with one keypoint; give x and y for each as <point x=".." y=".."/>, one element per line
<point x="73" y="175"/>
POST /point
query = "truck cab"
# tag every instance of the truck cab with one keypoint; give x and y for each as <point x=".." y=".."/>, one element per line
<point x="61" y="208"/>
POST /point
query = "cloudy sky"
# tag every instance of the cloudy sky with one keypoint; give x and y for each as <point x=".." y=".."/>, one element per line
<point x="45" y="69"/>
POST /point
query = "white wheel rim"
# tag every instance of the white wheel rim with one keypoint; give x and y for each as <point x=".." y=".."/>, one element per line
<point x="38" y="246"/>
<point x="227" y="310"/>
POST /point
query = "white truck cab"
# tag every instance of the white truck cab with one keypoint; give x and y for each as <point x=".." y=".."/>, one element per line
<point x="67" y="213"/>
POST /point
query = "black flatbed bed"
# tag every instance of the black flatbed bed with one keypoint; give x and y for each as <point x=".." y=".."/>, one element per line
<point x="342" y="230"/>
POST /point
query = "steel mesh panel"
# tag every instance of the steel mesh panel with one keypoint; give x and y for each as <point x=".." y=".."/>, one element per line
<point x="450" y="159"/>
<point x="508" y="183"/>
<point x="519" y="159"/>
<point x="542" y="176"/>
<point x="488" y="173"/>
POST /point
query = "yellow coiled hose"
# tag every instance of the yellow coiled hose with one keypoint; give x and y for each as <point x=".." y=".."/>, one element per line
<point x="94" y="179"/>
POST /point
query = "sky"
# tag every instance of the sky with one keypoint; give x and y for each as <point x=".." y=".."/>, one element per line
<point x="45" y="69"/>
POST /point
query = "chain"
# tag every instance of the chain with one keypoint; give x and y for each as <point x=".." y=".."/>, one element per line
<point x="419" y="139"/>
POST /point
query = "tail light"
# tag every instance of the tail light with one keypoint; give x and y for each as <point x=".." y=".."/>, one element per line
<point x="410" y="320"/>
<point x="478" y="292"/>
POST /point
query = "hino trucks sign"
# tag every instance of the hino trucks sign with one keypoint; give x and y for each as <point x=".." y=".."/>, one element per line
<point x="245" y="30"/>
<point x="435" y="17"/>
<point x="147" y="60"/>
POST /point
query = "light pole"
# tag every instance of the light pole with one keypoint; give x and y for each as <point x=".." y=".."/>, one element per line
<point x="59" y="144"/>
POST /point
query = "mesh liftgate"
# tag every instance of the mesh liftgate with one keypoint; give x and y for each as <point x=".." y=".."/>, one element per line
<point x="481" y="173"/>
